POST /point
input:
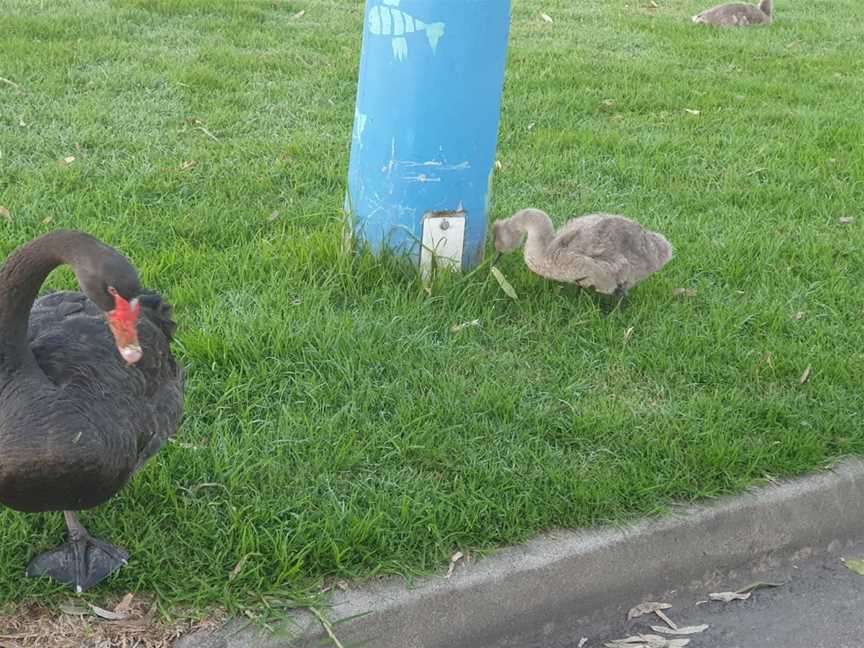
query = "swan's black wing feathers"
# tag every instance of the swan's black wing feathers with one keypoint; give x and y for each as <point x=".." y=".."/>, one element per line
<point x="74" y="347"/>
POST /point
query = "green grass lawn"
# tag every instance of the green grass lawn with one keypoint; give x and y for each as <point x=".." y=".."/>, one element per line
<point x="336" y="427"/>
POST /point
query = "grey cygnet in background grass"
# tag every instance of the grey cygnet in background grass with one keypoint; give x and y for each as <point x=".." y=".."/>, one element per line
<point x="737" y="14"/>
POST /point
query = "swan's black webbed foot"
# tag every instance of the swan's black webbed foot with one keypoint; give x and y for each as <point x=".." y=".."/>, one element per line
<point x="83" y="562"/>
<point x="618" y="299"/>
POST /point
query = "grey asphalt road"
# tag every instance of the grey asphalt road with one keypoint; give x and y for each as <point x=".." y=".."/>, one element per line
<point x="820" y="605"/>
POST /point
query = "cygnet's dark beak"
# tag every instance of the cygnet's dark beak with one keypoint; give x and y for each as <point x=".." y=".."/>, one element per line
<point x="497" y="257"/>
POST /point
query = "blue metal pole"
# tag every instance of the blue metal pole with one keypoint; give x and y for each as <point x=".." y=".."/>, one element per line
<point x="426" y="125"/>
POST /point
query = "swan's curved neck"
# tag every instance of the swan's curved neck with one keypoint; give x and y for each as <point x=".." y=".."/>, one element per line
<point x="21" y="276"/>
<point x="538" y="229"/>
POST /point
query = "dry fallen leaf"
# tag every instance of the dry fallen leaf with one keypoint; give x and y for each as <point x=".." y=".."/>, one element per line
<point x="456" y="557"/>
<point x="5" y="213"/>
<point x="505" y="285"/>
<point x="274" y="215"/>
<point x="342" y="585"/>
<point x="805" y="376"/>
<point x="546" y="17"/>
<point x="238" y="567"/>
<point x="669" y="622"/>
<point x="684" y="292"/>
<point x="647" y="641"/>
<point x="726" y="597"/>
<point x="652" y="5"/>
<point x="686" y="630"/>
<point x="639" y="640"/>
<point x="691" y="111"/>
<point x="458" y="327"/>
<point x="188" y="165"/>
<point x="74" y="610"/>
<point x="855" y="564"/>
<point x="846" y="220"/>
<point x="797" y="316"/>
<point x="765" y="360"/>
<point x="11" y="84"/>
<point x="197" y="123"/>
<point x="47" y="219"/>
<point x="627" y="334"/>
<point x="608" y="104"/>
<point x="531" y="125"/>
<point x="646" y="608"/>
<point x="106" y="614"/>
<point x="69" y="159"/>
<point x="299" y="14"/>
<point x="125" y="604"/>
<point x="498" y="165"/>
<point x="752" y="587"/>
<point x="208" y="133"/>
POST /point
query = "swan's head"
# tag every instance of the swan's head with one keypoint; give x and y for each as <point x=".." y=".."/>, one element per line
<point x="110" y="282"/>
<point x="506" y="236"/>
<point x="123" y="322"/>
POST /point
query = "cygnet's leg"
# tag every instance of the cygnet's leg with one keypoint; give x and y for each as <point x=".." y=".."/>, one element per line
<point x="570" y="289"/>
<point x="618" y="299"/>
<point x="83" y="562"/>
<point x="622" y="294"/>
<point x="573" y="287"/>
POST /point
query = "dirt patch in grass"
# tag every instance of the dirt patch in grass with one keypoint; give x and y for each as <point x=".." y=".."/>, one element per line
<point x="136" y="624"/>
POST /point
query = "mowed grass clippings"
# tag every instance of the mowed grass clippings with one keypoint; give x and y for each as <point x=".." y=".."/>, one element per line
<point x="337" y="425"/>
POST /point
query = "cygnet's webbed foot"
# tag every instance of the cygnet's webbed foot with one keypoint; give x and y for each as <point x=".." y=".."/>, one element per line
<point x="618" y="299"/>
<point x="83" y="562"/>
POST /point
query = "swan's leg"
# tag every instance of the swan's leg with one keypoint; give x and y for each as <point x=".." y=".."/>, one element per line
<point x="617" y="299"/>
<point x="573" y="287"/>
<point x="83" y="562"/>
<point x="621" y="293"/>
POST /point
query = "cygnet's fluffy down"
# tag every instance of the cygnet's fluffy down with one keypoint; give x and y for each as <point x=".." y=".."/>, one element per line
<point x="608" y="253"/>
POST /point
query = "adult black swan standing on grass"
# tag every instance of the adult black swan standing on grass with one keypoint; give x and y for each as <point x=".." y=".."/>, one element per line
<point x="89" y="391"/>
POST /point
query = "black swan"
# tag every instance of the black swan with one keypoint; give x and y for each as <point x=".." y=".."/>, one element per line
<point x="89" y="391"/>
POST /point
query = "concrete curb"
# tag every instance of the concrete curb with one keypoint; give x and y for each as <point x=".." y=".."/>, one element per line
<point x="549" y="587"/>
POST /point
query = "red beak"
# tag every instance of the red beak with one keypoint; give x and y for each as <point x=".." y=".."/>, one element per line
<point x="123" y="322"/>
